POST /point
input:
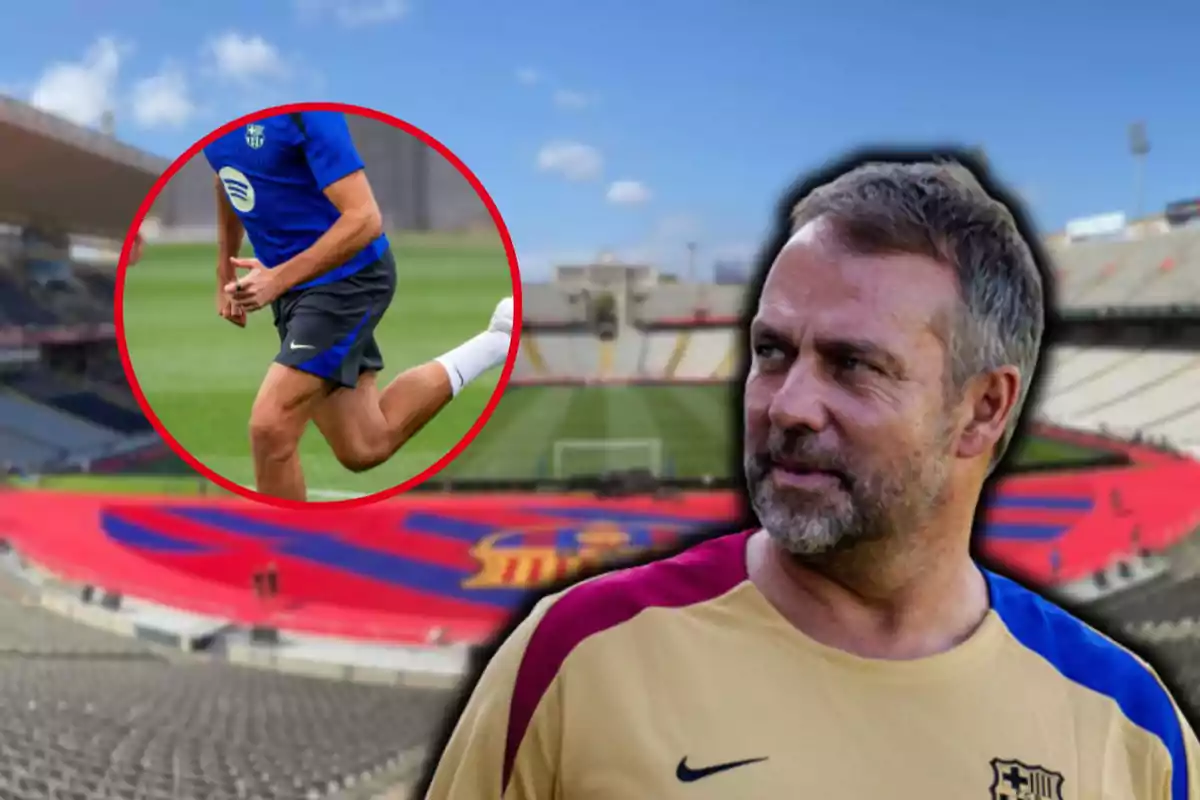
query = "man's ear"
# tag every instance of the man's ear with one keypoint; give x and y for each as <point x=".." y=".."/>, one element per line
<point x="990" y="400"/>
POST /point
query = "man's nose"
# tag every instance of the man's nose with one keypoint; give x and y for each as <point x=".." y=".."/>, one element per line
<point x="800" y="401"/>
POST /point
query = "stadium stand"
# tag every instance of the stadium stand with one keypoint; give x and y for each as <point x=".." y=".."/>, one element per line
<point x="1170" y="597"/>
<point x="1127" y="392"/>
<point x="63" y="397"/>
<point x="90" y="715"/>
<point x="46" y="424"/>
<point x="1180" y="660"/>
<point x="77" y="398"/>
<point x="569" y="355"/>
<point x="1162" y="616"/>
<point x="1160" y="270"/>
<point x="21" y="451"/>
<point x="685" y="332"/>
<point x="1167" y="598"/>
<point x="549" y="306"/>
<point x="702" y="355"/>
<point x="683" y="304"/>
<point x="20" y="307"/>
<point x="26" y="629"/>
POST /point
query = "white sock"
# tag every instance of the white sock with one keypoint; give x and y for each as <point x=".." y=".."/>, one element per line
<point x="474" y="357"/>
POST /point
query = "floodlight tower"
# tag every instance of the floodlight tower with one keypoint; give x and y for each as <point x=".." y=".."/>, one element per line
<point x="691" y="248"/>
<point x="1139" y="148"/>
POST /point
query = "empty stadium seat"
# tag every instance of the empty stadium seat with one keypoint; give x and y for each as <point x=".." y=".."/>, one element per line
<point x="679" y="303"/>
<point x="17" y="450"/>
<point x="80" y="402"/>
<point x="94" y="716"/>
<point x="1136" y="272"/>
<point x="1123" y="391"/>
<point x="51" y="427"/>
<point x="18" y="305"/>
<point x="1164" y="599"/>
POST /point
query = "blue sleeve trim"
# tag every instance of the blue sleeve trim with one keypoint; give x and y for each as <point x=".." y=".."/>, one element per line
<point x="1083" y="656"/>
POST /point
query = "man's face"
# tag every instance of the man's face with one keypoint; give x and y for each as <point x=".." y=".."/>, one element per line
<point x="848" y="433"/>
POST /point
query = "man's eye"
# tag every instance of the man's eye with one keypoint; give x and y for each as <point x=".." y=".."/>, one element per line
<point x="851" y="364"/>
<point x="767" y="351"/>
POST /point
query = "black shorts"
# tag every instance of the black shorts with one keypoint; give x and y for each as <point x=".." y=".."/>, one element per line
<point x="329" y="330"/>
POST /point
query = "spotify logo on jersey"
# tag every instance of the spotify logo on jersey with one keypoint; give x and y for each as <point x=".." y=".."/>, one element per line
<point x="238" y="188"/>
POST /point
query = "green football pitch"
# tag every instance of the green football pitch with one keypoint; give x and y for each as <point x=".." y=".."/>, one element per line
<point x="548" y="432"/>
<point x="200" y="373"/>
<point x="678" y="431"/>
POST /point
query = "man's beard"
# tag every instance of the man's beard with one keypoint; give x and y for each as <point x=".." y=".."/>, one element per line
<point x="867" y="505"/>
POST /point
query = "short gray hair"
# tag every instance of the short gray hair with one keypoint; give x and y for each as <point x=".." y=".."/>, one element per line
<point x="939" y="209"/>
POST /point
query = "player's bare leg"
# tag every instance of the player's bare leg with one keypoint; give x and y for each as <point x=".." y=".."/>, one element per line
<point x="366" y="426"/>
<point x="285" y="403"/>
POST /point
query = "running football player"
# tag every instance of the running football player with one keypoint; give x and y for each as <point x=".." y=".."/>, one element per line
<point x="295" y="185"/>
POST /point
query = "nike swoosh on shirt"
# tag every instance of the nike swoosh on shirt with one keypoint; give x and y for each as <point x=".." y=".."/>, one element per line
<point x="295" y="346"/>
<point x="688" y="774"/>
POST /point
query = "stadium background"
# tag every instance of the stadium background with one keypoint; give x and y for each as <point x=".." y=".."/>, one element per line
<point x="143" y="650"/>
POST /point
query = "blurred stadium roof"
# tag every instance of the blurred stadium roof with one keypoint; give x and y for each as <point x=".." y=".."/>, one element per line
<point x="57" y="174"/>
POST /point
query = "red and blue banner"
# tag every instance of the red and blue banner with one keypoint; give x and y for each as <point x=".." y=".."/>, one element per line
<point x="463" y="562"/>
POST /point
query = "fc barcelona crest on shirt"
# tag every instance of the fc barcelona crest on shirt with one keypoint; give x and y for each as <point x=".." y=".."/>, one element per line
<point x="254" y="135"/>
<point x="1014" y="780"/>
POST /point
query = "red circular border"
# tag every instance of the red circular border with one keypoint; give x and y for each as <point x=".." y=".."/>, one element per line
<point x="119" y="306"/>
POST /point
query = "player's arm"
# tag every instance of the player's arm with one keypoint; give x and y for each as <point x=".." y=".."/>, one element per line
<point x="359" y="224"/>
<point x="506" y="743"/>
<point x="336" y="165"/>
<point x="230" y="235"/>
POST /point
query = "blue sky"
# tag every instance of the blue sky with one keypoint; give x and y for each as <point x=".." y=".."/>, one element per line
<point x="702" y="111"/>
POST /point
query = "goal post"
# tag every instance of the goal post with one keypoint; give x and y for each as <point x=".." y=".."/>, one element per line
<point x="578" y="457"/>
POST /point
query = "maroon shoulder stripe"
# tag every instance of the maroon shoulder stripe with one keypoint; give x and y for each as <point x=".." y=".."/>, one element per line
<point x="700" y="573"/>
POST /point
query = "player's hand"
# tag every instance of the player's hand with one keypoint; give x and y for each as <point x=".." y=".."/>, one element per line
<point x="257" y="289"/>
<point x="135" y="252"/>
<point x="228" y="309"/>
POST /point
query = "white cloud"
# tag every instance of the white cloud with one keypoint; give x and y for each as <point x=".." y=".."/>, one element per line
<point x="571" y="160"/>
<point x="81" y="91"/>
<point x="245" y="59"/>
<point x="528" y="76"/>
<point x="354" y="13"/>
<point x="628" y="193"/>
<point x="571" y="100"/>
<point x="163" y="100"/>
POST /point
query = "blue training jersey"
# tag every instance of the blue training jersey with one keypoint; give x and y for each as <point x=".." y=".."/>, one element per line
<point x="275" y="172"/>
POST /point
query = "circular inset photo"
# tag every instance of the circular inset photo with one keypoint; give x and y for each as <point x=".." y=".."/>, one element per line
<point x="318" y="303"/>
